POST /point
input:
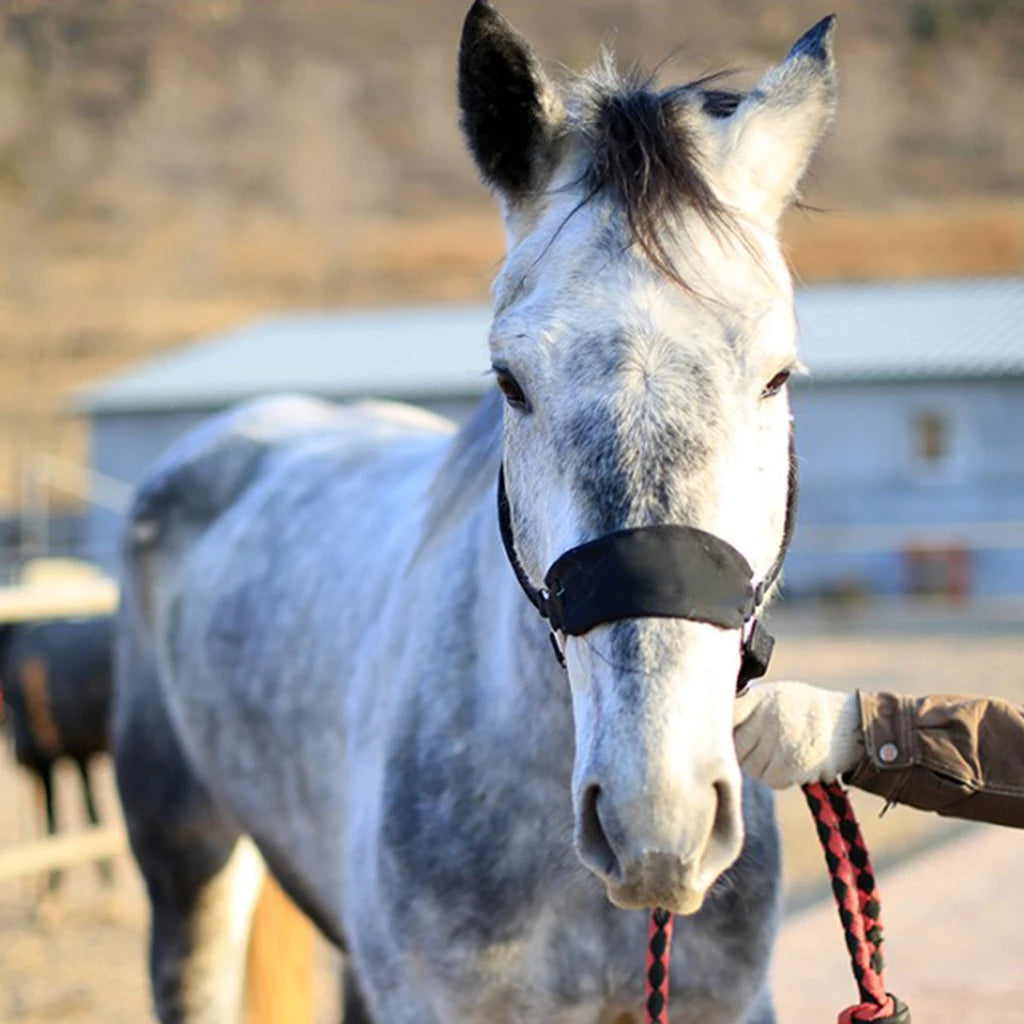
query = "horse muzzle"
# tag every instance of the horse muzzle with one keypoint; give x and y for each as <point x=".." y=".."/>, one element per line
<point x="661" y="848"/>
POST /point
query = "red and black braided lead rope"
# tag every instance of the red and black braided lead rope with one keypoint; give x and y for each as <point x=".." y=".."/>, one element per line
<point x="860" y="911"/>
<point x="659" y="943"/>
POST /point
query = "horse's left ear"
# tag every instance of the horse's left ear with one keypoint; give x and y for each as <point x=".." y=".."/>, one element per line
<point x="763" y="149"/>
<point x="511" y="112"/>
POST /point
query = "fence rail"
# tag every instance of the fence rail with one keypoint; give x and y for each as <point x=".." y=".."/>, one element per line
<point x="62" y="851"/>
<point x="70" y="598"/>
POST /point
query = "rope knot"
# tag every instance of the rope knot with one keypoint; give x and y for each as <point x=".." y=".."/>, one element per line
<point x="892" y="1011"/>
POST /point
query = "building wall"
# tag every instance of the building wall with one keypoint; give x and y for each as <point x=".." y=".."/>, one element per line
<point x="125" y="445"/>
<point x="867" y="498"/>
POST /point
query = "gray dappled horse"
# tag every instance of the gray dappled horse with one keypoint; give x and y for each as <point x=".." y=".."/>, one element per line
<point x="327" y="666"/>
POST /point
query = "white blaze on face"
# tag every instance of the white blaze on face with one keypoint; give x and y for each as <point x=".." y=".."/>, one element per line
<point x="656" y="780"/>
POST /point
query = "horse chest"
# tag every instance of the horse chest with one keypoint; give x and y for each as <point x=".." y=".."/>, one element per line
<point x="474" y="846"/>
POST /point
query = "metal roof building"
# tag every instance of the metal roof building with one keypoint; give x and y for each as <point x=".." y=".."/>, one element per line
<point x="910" y="426"/>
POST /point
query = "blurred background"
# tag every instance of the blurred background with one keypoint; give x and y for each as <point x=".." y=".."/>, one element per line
<point x="203" y="200"/>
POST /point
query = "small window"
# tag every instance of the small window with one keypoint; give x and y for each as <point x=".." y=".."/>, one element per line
<point x="931" y="439"/>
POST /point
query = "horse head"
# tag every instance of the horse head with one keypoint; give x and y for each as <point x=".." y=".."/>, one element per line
<point x="643" y="335"/>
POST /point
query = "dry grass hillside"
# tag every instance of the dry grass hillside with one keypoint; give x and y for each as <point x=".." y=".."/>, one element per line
<point x="170" y="168"/>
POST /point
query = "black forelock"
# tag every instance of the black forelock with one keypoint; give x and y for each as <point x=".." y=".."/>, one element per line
<point x="642" y="156"/>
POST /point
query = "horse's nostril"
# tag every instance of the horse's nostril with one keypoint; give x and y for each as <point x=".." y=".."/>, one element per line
<point x="725" y="816"/>
<point x="594" y="848"/>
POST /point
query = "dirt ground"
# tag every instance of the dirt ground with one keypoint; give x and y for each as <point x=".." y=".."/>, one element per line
<point x="82" y="959"/>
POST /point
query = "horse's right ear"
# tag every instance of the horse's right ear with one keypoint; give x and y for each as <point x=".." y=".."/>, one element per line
<point x="510" y="110"/>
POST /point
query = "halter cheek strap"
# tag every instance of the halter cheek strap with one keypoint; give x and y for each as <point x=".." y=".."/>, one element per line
<point x="665" y="571"/>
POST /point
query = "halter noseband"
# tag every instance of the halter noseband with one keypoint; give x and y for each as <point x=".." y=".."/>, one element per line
<point x="666" y="571"/>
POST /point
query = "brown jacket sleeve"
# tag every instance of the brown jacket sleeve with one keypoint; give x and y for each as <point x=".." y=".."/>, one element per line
<point x="959" y="756"/>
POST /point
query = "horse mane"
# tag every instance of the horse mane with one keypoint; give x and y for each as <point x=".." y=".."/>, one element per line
<point x="470" y="467"/>
<point x="643" y="155"/>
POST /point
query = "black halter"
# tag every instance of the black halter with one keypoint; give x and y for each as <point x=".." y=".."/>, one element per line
<point x="666" y="571"/>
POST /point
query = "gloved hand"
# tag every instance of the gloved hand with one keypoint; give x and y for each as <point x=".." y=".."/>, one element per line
<point x="788" y="734"/>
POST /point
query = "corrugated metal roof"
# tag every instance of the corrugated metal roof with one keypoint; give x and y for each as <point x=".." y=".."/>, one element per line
<point x="966" y="328"/>
<point x="410" y="352"/>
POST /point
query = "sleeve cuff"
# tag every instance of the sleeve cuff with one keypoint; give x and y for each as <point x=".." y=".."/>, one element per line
<point x="887" y="725"/>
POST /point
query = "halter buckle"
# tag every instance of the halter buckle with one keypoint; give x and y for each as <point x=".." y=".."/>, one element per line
<point x="756" y="645"/>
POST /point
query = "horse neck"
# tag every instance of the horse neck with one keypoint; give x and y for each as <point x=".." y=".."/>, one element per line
<point x="482" y="616"/>
<point x="523" y="674"/>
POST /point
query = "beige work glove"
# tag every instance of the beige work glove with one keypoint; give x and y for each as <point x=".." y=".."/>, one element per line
<point x="788" y="734"/>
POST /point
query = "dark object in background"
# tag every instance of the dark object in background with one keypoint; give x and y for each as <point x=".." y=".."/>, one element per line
<point x="55" y="680"/>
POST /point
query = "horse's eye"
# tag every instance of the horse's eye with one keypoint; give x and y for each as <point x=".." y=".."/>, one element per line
<point x="514" y="394"/>
<point x="776" y="384"/>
